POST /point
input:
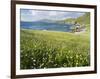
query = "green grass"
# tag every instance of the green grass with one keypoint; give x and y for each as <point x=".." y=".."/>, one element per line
<point x="50" y="49"/>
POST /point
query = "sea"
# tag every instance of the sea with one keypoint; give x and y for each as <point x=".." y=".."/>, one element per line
<point x="49" y="26"/>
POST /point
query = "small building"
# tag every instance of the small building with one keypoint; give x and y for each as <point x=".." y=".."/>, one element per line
<point x="77" y="28"/>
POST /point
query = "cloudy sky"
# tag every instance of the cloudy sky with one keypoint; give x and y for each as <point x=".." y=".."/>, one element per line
<point x="36" y="15"/>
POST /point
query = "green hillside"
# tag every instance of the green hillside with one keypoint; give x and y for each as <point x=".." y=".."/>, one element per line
<point x="84" y="19"/>
<point x="70" y="20"/>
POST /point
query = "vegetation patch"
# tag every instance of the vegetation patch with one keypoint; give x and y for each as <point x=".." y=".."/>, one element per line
<point x="52" y="49"/>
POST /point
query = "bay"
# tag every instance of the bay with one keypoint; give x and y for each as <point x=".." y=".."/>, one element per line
<point x="51" y="26"/>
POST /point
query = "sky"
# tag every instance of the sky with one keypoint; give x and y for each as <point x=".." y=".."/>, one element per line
<point x="36" y="15"/>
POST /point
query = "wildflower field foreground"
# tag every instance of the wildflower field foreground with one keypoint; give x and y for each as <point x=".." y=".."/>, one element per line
<point x="52" y="49"/>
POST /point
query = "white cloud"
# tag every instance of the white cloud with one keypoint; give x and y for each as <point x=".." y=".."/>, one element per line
<point x="52" y="13"/>
<point x="33" y="12"/>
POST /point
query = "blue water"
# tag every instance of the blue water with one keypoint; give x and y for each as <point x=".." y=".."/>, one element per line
<point x="46" y="26"/>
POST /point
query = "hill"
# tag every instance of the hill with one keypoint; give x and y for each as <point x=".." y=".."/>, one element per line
<point x="84" y="19"/>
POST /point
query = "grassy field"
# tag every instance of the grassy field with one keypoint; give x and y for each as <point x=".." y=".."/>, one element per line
<point x="50" y="49"/>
